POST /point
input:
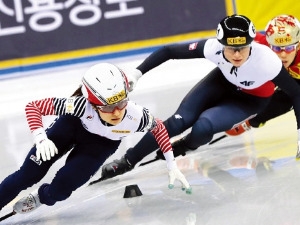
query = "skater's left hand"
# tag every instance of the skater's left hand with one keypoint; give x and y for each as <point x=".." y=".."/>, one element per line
<point x="175" y="173"/>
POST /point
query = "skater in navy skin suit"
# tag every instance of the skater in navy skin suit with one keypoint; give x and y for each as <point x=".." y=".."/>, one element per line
<point x="239" y="88"/>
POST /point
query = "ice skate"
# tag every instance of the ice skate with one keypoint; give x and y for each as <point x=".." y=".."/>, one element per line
<point x="179" y="148"/>
<point x="117" y="167"/>
<point x="241" y="128"/>
<point x="28" y="203"/>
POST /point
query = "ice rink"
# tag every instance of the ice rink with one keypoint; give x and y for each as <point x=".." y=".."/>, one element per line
<point x="252" y="179"/>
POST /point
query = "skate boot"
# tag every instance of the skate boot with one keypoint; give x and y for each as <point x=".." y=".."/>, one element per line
<point x="28" y="204"/>
<point x="241" y="128"/>
<point x="179" y="148"/>
<point x="115" y="168"/>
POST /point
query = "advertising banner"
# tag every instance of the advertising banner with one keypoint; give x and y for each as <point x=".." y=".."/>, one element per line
<point x="38" y="32"/>
<point x="260" y="12"/>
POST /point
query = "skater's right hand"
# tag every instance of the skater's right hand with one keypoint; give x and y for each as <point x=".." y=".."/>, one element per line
<point x="133" y="77"/>
<point x="45" y="148"/>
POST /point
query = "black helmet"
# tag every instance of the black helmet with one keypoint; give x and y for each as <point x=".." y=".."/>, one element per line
<point x="235" y="31"/>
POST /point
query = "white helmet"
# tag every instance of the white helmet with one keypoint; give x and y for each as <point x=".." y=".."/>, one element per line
<point x="104" y="84"/>
<point x="283" y="30"/>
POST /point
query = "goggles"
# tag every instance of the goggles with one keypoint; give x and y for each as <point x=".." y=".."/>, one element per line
<point x="111" y="108"/>
<point x="287" y="49"/>
<point x="232" y="49"/>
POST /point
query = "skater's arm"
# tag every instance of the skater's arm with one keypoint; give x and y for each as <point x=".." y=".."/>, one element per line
<point x="35" y="110"/>
<point x="176" y="51"/>
<point x="162" y="137"/>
